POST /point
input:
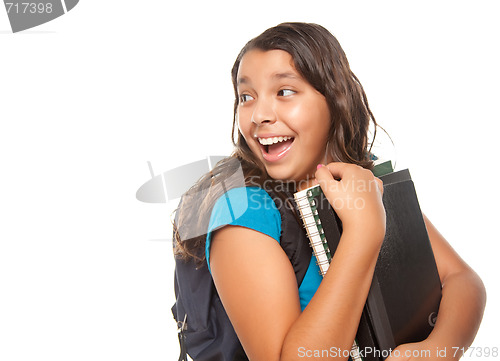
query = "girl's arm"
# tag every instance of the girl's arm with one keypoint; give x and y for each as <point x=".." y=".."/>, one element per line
<point x="461" y="309"/>
<point x="258" y="289"/>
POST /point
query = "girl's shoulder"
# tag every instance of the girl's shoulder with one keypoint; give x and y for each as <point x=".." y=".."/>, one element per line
<point x="248" y="206"/>
<point x="246" y="199"/>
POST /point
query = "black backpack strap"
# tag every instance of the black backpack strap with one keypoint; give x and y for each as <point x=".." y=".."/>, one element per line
<point x="181" y="328"/>
<point x="294" y="239"/>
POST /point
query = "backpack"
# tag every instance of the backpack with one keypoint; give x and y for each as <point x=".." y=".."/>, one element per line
<point x="204" y="329"/>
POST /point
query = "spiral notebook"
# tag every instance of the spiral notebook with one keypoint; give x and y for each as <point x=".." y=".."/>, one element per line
<point x="405" y="293"/>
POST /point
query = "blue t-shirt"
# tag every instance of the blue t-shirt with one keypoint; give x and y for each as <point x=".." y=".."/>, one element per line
<point x="253" y="208"/>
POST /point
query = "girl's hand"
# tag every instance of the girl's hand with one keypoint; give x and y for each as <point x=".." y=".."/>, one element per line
<point x="356" y="195"/>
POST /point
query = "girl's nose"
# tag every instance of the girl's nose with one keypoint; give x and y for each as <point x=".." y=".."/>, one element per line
<point x="263" y="112"/>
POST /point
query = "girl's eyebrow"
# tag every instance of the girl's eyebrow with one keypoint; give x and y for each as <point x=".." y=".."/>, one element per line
<point x="285" y="75"/>
<point x="242" y="80"/>
<point x="275" y="76"/>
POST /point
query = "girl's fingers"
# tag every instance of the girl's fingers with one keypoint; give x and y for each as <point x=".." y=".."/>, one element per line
<point x="323" y="173"/>
<point x="355" y="195"/>
<point x="330" y="177"/>
<point x="326" y="180"/>
<point x="336" y="169"/>
<point x="339" y="170"/>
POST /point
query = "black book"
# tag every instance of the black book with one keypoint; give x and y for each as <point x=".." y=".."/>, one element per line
<point x="405" y="293"/>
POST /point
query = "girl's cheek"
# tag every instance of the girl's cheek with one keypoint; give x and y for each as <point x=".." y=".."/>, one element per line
<point x="244" y="121"/>
<point x="242" y="128"/>
<point x="293" y="114"/>
<point x="238" y="121"/>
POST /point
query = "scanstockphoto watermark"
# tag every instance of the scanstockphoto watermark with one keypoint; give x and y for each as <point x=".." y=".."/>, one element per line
<point x="438" y="352"/>
<point x="333" y="351"/>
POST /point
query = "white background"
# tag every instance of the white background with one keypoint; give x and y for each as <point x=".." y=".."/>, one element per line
<point x="87" y="99"/>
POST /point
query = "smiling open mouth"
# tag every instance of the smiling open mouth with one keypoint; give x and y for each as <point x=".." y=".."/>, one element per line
<point x="275" y="148"/>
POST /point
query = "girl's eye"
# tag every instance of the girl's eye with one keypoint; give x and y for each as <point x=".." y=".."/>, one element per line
<point x="286" y="92"/>
<point x="244" y="98"/>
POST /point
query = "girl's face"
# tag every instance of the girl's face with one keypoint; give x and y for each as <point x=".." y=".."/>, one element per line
<point x="284" y="120"/>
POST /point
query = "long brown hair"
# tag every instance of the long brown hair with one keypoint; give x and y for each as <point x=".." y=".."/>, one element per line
<point x="320" y="60"/>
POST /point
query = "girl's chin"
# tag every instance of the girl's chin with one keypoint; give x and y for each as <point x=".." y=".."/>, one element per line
<point x="285" y="175"/>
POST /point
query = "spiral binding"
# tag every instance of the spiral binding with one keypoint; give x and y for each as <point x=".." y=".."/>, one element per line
<point x="308" y="213"/>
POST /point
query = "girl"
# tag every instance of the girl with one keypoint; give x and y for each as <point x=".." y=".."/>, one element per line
<point x="301" y="116"/>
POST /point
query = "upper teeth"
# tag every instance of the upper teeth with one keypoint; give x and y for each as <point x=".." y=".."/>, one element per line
<point x="273" y="140"/>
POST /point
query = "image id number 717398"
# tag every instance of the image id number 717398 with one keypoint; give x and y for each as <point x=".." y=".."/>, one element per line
<point x="29" y="8"/>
